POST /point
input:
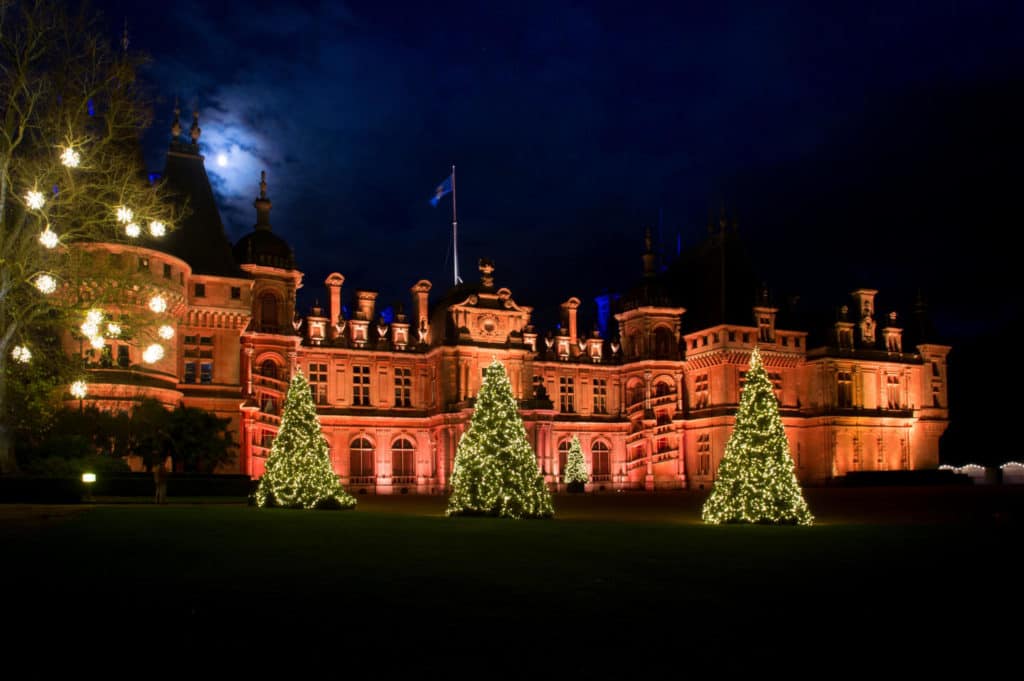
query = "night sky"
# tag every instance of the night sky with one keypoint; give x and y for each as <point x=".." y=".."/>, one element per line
<point x="865" y="145"/>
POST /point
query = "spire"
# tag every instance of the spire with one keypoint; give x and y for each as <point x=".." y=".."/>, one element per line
<point x="176" y="125"/>
<point x="648" y="256"/>
<point x="124" y="36"/>
<point x="263" y="205"/>
<point x="195" y="131"/>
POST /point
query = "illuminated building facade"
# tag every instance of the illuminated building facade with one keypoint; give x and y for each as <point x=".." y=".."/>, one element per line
<point x="651" y="403"/>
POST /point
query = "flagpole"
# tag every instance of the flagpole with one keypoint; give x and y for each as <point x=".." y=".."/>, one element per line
<point x="455" y="231"/>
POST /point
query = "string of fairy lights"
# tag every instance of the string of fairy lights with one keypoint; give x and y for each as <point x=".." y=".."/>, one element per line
<point x="756" y="481"/>
<point x="575" y="466"/>
<point x="495" y="471"/>
<point x="298" y="472"/>
<point x="98" y="326"/>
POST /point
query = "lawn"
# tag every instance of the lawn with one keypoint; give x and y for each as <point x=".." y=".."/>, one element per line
<point x="621" y="572"/>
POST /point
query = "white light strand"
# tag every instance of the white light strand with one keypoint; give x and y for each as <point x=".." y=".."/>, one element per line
<point x="166" y="332"/>
<point x="48" y="237"/>
<point x="124" y="214"/>
<point x="35" y="199"/>
<point x="157" y="228"/>
<point x="22" y="354"/>
<point x="70" y="157"/>
<point x="132" y="230"/>
<point x="153" y="354"/>
<point x="79" y="389"/>
<point x="113" y="329"/>
<point x="46" y="283"/>
<point x="158" y="304"/>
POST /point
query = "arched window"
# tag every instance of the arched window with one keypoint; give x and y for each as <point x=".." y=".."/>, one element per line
<point x="563" y="456"/>
<point x="268" y="368"/>
<point x="661" y="389"/>
<point x="634" y="392"/>
<point x="403" y="463"/>
<point x="361" y="466"/>
<point x="601" y="458"/>
<point x="664" y="343"/>
<point x="268" y="313"/>
<point x="633" y="344"/>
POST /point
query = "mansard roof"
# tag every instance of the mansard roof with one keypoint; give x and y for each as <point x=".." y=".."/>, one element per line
<point x="199" y="238"/>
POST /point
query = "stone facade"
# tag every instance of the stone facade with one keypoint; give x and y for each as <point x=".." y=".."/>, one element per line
<point x="653" y="406"/>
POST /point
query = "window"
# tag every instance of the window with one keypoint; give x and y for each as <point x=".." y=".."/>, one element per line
<point x="123" y="357"/>
<point x="143" y="263"/>
<point x="704" y="454"/>
<point x="236" y="292"/>
<point x="361" y="386"/>
<point x="892" y="390"/>
<point x="661" y="389"/>
<point x="796" y="341"/>
<point x="566" y="393"/>
<point x="200" y="290"/>
<point x="746" y="338"/>
<point x="635" y="392"/>
<point x="664" y="343"/>
<point x="403" y="463"/>
<point x="601" y="461"/>
<point x="268" y="313"/>
<point x="106" y="357"/>
<point x="268" y="368"/>
<point x="403" y="387"/>
<point x="776" y="380"/>
<point x="600" y="396"/>
<point x="732" y="335"/>
<point x="318" y="382"/>
<point x="361" y="461"/>
<point x="785" y="341"/>
<point x="563" y="457"/>
<point x="167" y="271"/>
<point x="844" y="385"/>
<point x="198" y="347"/>
<point x="701" y="391"/>
<point x="538" y="388"/>
<point x="116" y="261"/>
<point x="764" y="329"/>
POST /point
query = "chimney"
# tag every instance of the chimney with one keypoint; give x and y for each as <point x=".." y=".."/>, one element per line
<point x="365" y="302"/>
<point x="893" y="335"/>
<point x="333" y="283"/>
<point x="421" y="315"/>
<point x="569" y="308"/>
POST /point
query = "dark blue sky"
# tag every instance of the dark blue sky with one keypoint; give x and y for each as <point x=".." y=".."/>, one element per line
<point x="861" y="144"/>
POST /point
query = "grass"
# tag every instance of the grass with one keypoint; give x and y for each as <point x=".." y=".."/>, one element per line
<point x="630" y="570"/>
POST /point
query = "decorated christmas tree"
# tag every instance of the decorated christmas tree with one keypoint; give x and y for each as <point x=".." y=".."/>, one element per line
<point x="495" y="468"/>
<point x="575" y="467"/>
<point x="756" y="482"/>
<point x="298" y="473"/>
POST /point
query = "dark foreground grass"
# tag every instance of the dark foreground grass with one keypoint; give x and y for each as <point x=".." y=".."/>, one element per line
<point x="629" y="575"/>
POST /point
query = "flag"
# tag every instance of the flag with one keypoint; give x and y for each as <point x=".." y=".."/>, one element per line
<point x="442" y="189"/>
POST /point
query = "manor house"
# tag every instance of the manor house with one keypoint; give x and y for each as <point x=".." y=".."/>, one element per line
<point x="652" y="404"/>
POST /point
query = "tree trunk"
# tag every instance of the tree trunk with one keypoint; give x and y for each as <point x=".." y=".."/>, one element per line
<point x="160" y="478"/>
<point x="8" y="464"/>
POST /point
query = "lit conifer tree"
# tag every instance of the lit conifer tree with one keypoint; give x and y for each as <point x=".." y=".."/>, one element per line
<point x="298" y="473"/>
<point x="495" y="468"/>
<point x="575" y="468"/>
<point x="756" y="482"/>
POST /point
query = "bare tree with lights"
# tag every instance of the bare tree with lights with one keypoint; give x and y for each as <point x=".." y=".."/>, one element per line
<point x="71" y="176"/>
